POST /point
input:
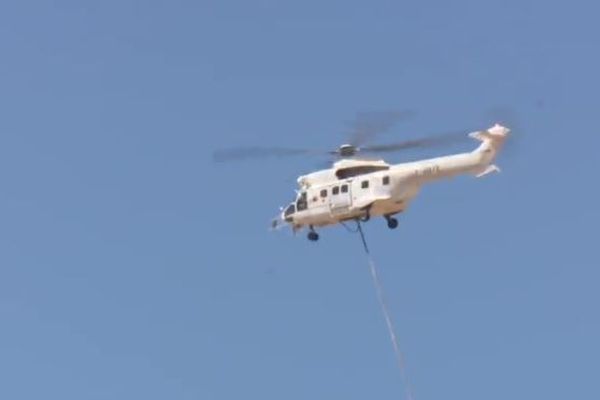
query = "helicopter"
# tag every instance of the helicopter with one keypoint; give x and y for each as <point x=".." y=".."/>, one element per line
<point x="358" y="188"/>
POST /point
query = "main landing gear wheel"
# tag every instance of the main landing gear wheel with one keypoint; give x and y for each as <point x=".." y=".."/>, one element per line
<point x="392" y="222"/>
<point x="313" y="236"/>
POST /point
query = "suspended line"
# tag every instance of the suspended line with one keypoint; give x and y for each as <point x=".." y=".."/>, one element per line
<point x="386" y="314"/>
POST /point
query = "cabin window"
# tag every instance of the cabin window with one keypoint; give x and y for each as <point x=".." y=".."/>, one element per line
<point x="364" y="184"/>
<point x="302" y="203"/>
<point x="324" y="193"/>
<point x="335" y="190"/>
<point x="386" y="180"/>
<point x="344" y="188"/>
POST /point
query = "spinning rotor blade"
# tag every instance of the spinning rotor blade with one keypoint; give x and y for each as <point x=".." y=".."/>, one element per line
<point x="365" y="127"/>
<point x="432" y="141"/>
<point x="369" y="124"/>
<point x="246" y="153"/>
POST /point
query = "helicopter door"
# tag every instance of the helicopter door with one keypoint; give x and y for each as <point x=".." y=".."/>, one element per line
<point x="340" y="199"/>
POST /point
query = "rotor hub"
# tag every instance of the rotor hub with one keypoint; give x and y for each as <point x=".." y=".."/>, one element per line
<point x="347" y="150"/>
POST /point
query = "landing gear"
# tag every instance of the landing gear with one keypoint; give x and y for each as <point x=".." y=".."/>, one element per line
<point x="392" y="222"/>
<point x="312" y="235"/>
<point x="367" y="215"/>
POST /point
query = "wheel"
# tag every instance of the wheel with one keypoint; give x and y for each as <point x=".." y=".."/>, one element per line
<point x="392" y="223"/>
<point x="313" y="236"/>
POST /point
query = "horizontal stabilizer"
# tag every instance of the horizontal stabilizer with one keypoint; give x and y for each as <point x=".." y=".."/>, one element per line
<point x="489" y="169"/>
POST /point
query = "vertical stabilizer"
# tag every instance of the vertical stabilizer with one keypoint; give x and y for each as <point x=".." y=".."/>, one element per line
<point x="492" y="140"/>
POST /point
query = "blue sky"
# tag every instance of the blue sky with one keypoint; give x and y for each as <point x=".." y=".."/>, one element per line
<point x="132" y="266"/>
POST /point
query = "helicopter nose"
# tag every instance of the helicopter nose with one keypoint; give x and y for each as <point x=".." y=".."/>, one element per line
<point x="278" y="222"/>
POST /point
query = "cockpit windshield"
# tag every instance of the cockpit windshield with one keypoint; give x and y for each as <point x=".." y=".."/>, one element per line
<point x="301" y="202"/>
<point x="289" y="210"/>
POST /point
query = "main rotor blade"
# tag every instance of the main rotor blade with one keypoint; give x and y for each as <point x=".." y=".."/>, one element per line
<point x="369" y="124"/>
<point x="432" y="141"/>
<point x="247" y="153"/>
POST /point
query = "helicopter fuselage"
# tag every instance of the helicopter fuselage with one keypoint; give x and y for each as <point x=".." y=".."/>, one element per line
<point x="360" y="189"/>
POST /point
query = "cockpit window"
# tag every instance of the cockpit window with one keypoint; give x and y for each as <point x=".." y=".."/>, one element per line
<point x="302" y="204"/>
<point x="289" y="210"/>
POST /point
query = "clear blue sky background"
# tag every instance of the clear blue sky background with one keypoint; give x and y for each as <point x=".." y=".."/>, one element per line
<point x="132" y="266"/>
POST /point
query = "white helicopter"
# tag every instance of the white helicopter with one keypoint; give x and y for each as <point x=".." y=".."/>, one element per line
<point x="358" y="189"/>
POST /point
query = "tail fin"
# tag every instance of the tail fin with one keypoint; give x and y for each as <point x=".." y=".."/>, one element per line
<point x="492" y="138"/>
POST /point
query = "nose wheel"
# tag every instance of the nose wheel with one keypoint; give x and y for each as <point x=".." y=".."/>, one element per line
<point x="392" y="222"/>
<point x="312" y="235"/>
